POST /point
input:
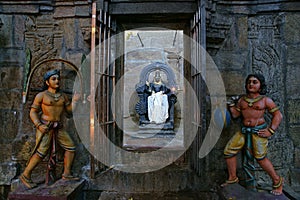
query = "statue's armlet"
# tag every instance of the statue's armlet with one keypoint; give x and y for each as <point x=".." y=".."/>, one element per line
<point x="272" y="107"/>
<point x="38" y="101"/>
<point x="35" y="106"/>
<point x="272" y="110"/>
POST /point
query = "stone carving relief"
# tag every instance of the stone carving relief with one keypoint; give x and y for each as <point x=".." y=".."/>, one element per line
<point x="86" y="32"/>
<point x="217" y="25"/>
<point x="267" y="52"/>
<point x="261" y="26"/>
<point x="42" y="36"/>
<point x="278" y="24"/>
<point x="30" y="24"/>
<point x="266" y="60"/>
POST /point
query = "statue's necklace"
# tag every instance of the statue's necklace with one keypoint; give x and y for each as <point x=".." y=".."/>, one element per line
<point x="252" y="101"/>
<point x="55" y="96"/>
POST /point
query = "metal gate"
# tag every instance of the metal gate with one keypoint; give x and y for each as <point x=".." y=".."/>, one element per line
<point x="197" y="78"/>
<point x="102" y="83"/>
<point x="105" y="72"/>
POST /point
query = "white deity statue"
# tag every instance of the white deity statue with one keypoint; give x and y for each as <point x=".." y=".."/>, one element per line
<point x="158" y="105"/>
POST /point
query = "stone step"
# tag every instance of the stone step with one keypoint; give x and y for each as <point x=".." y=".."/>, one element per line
<point x="182" y="195"/>
<point x="169" y="179"/>
<point x="60" y="190"/>
<point x="236" y="191"/>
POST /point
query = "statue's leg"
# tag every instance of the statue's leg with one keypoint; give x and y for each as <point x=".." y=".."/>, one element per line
<point x="234" y="145"/>
<point x="67" y="143"/>
<point x="39" y="152"/>
<point x="260" y="152"/>
<point x="231" y="167"/>
<point x="33" y="162"/>
<point x="26" y="175"/>
<point x="231" y="163"/>
<point x="68" y="161"/>
<point x="277" y="180"/>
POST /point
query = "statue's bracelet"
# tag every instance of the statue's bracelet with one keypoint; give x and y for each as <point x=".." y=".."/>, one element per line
<point x="38" y="125"/>
<point x="272" y="131"/>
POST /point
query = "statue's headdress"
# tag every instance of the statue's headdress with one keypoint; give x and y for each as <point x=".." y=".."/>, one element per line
<point x="48" y="74"/>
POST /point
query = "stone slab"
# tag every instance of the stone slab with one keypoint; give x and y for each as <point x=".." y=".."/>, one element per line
<point x="60" y="190"/>
<point x="152" y="141"/>
<point x="184" y="195"/>
<point x="236" y="191"/>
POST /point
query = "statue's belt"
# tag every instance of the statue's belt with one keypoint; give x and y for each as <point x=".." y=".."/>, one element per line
<point x="52" y="124"/>
<point x="253" y="130"/>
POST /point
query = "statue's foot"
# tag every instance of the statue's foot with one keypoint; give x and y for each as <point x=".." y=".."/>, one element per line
<point x="27" y="182"/>
<point x="70" y="178"/>
<point x="228" y="182"/>
<point x="277" y="188"/>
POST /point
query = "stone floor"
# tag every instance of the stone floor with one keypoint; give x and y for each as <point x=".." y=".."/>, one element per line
<point x="73" y="190"/>
<point x="231" y="192"/>
<point x="60" y="190"/>
<point x="184" y="195"/>
<point x="238" y="192"/>
<point x="116" y="185"/>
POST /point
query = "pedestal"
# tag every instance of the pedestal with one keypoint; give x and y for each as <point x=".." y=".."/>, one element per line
<point x="60" y="190"/>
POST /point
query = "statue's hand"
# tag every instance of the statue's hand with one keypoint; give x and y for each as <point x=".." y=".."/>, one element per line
<point x="43" y="128"/>
<point x="264" y="133"/>
<point x="147" y="83"/>
<point x="233" y="100"/>
<point x="76" y="96"/>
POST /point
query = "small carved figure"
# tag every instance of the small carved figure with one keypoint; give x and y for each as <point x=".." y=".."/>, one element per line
<point x="51" y="103"/>
<point x="158" y="106"/>
<point x="254" y="133"/>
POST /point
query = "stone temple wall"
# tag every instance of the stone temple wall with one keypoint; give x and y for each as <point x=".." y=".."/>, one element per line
<point x="48" y="30"/>
<point x="242" y="37"/>
<point x="246" y="38"/>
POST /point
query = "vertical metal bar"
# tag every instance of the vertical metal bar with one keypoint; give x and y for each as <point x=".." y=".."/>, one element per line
<point x="196" y="85"/>
<point x="100" y="42"/>
<point x="92" y="92"/>
<point x="202" y="38"/>
<point x="99" y="111"/>
<point x="193" y="72"/>
<point x="104" y="70"/>
<point x="194" y="53"/>
<point x="108" y="82"/>
<point x="105" y="85"/>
